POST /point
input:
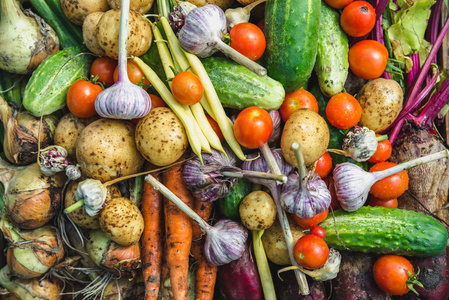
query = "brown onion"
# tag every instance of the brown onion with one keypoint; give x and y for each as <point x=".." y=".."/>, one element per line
<point x="31" y="199"/>
<point x="31" y="252"/>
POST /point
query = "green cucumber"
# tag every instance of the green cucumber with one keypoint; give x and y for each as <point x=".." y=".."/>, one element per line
<point x="291" y="30"/>
<point x="53" y="77"/>
<point x="237" y="87"/>
<point x="229" y="204"/>
<point x="332" y="65"/>
<point x="386" y="231"/>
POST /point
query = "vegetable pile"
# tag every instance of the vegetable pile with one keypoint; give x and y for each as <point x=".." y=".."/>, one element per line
<point x="221" y="149"/>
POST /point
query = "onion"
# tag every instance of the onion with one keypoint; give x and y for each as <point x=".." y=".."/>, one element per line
<point x="31" y="198"/>
<point x="26" y="39"/>
<point x="32" y="252"/>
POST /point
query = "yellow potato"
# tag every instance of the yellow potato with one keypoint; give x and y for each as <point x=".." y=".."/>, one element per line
<point x="257" y="210"/>
<point x="161" y="137"/>
<point x="223" y="4"/>
<point x="308" y="129"/>
<point x="77" y="10"/>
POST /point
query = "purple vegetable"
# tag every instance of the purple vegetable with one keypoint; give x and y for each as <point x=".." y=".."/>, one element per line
<point x="239" y="279"/>
<point x="287" y="288"/>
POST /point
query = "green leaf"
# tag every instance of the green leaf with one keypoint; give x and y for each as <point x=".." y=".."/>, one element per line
<point x="410" y="22"/>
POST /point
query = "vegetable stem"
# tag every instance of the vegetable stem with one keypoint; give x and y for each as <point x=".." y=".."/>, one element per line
<point x="254" y="174"/>
<point x="74" y="206"/>
<point x="262" y="266"/>
<point x="123" y="42"/>
<point x="240" y="58"/>
<point x="300" y="162"/>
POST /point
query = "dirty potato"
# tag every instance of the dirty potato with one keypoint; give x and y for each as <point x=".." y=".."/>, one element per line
<point x="90" y="27"/>
<point x="121" y="221"/>
<point x="77" y="10"/>
<point x="161" y="137"/>
<point x="257" y="210"/>
<point x="106" y="150"/>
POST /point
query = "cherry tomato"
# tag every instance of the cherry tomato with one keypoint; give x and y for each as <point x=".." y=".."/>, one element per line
<point x="81" y="98"/>
<point x="156" y="101"/>
<point x="338" y="4"/>
<point x="368" y="59"/>
<point x="248" y="39"/>
<point x="253" y="127"/>
<point x="390" y="203"/>
<point x="392" y="186"/>
<point x="187" y="88"/>
<point x="318" y="231"/>
<point x="382" y="153"/>
<point x="215" y="127"/>
<point x="343" y="111"/>
<point x="311" y="222"/>
<point x="311" y="251"/>
<point x="135" y="74"/>
<point x="296" y="100"/>
<point x="358" y="18"/>
<point x="104" y="67"/>
<point x="324" y="165"/>
<point x="391" y="276"/>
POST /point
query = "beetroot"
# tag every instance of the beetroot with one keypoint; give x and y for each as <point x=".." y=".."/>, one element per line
<point x="239" y="280"/>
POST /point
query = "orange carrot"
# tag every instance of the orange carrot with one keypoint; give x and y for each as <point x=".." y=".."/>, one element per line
<point x="178" y="231"/>
<point x="152" y="244"/>
<point x="206" y="273"/>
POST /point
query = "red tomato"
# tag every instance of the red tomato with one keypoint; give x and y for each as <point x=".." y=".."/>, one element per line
<point x="392" y="186"/>
<point x="358" y="18"/>
<point x="156" y="101"/>
<point x="343" y="111"/>
<point x="253" y="127"/>
<point x="335" y="204"/>
<point x="391" y="276"/>
<point x="104" y="68"/>
<point x="338" y="3"/>
<point x="382" y="153"/>
<point x="324" y="165"/>
<point x="215" y="127"/>
<point x="368" y="59"/>
<point x="81" y="98"/>
<point x="318" y="231"/>
<point x="311" y="222"/>
<point x="135" y="74"/>
<point x="296" y="100"/>
<point x="311" y="251"/>
<point x="187" y="88"/>
<point x="390" y="203"/>
<point x="248" y="39"/>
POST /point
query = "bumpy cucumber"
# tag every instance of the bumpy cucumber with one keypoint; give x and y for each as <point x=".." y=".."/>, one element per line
<point x="291" y="30"/>
<point x="237" y="87"/>
<point x="386" y="230"/>
<point x="332" y="63"/>
<point x="53" y="77"/>
<point x="229" y="204"/>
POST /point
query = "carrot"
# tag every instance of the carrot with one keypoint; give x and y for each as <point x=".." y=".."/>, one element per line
<point x="152" y="243"/>
<point x="206" y="273"/>
<point x="178" y="230"/>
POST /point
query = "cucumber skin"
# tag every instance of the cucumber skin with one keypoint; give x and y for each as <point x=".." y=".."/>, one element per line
<point x="55" y="73"/>
<point x="229" y="204"/>
<point x="291" y="31"/>
<point x="237" y="87"/>
<point x="384" y="230"/>
<point x="332" y="64"/>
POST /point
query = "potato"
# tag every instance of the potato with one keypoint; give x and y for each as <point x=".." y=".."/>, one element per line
<point x="68" y="131"/>
<point x="381" y="101"/>
<point x="161" y="137"/>
<point x="79" y="216"/>
<point x="310" y="130"/>
<point x="77" y="10"/>
<point x="141" y="6"/>
<point x="257" y="210"/>
<point x="121" y="221"/>
<point x="223" y="4"/>
<point x="106" y="150"/>
<point x="274" y="242"/>
<point x="90" y="27"/>
<point x="139" y="33"/>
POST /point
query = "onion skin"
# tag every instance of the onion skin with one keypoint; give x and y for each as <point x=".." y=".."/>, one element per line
<point x="32" y="199"/>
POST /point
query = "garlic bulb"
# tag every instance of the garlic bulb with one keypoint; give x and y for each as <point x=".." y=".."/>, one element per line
<point x="92" y="193"/>
<point x="73" y="172"/>
<point x="240" y="14"/>
<point x="225" y="242"/>
<point x="53" y="160"/>
<point x="360" y="143"/>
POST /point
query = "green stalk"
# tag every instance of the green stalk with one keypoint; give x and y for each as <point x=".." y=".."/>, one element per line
<point x="262" y="266"/>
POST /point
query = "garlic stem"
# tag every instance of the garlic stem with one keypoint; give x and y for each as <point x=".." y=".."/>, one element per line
<point x="410" y="164"/>
<point x="300" y="162"/>
<point x="254" y="174"/>
<point x="240" y="58"/>
<point x="283" y="220"/>
<point x="74" y="206"/>
<point x="178" y="202"/>
<point x="250" y="7"/>
<point x="381" y="138"/>
<point x="123" y="42"/>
